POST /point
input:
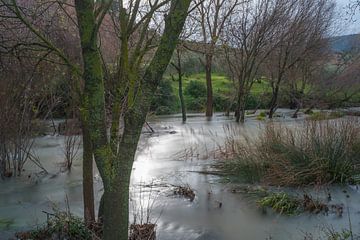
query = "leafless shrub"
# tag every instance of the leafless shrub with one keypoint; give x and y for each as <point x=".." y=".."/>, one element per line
<point x="18" y="100"/>
<point x="72" y="144"/>
<point x="185" y="191"/>
<point x="143" y="225"/>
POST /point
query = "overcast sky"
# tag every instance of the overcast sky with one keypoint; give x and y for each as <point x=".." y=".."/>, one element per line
<point x="346" y="25"/>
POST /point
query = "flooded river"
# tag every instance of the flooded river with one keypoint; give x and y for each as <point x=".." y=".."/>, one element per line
<point x="162" y="162"/>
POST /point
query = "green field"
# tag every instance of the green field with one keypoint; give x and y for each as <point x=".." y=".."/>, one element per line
<point x="194" y="90"/>
<point x="221" y="84"/>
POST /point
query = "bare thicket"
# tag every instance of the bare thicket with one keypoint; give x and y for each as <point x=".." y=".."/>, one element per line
<point x="250" y="38"/>
<point x="20" y="99"/>
<point x="302" y="35"/>
<point x="72" y="144"/>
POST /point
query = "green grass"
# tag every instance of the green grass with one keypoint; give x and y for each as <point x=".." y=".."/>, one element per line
<point x="221" y="83"/>
<point x="6" y="223"/>
<point x="319" y="116"/>
<point x="281" y="203"/>
<point x="224" y="91"/>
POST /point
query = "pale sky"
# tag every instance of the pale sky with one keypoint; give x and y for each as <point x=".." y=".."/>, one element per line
<point x="347" y="25"/>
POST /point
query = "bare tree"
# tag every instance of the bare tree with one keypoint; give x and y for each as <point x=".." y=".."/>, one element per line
<point x="19" y="97"/>
<point x="251" y="37"/>
<point x="212" y="17"/>
<point x="303" y="31"/>
<point x="303" y="78"/>
<point x="72" y="144"/>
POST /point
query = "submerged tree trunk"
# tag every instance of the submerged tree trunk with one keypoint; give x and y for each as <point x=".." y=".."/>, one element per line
<point x="178" y="68"/>
<point x="209" y="88"/>
<point x="92" y="103"/>
<point x="240" y="112"/>
<point x="116" y="193"/>
<point x="182" y="102"/>
<point x="273" y="102"/>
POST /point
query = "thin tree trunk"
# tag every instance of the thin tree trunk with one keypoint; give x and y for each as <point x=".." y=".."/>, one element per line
<point x="182" y="102"/>
<point x="209" y="89"/>
<point x="181" y="96"/>
<point x="178" y="67"/>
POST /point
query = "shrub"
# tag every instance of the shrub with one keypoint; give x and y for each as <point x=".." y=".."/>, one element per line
<point x="62" y="225"/>
<point x="195" y="89"/>
<point x="195" y="104"/>
<point x="287" y="204"/>
<point x="164" y="101"/>
<point x="261" y="116"/>
<point x="281" y="203"/>
<point x="254" y="101"/>
<point x="221" y="102"/>
<point x="318" y="152"/>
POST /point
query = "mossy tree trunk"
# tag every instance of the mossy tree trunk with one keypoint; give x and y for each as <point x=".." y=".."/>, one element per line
<point x="114" y="157"/>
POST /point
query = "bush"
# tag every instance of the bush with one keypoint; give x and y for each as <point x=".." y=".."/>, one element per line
<point x="195" y="89"/>
<point x="254" y="101"/>
<point x="287" y="204"/>
<point x="62" y="225"/>
<point x="282" y="203"/>
<point x="221" y="102"/>
<point x="164" y="101"/>
<point x="195" y="96"/>
<point x="318" y="152"/>
<point x="195" y="104"/>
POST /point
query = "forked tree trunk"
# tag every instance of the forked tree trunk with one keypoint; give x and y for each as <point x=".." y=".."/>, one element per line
<point x="115" y="167"/>
<point x="116" y="193"/>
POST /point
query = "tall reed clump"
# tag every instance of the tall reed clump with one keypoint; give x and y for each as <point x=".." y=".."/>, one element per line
<point x="316" y="152"/>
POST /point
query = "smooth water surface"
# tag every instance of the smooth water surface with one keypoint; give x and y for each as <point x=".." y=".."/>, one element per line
<point x="176" y="154"/>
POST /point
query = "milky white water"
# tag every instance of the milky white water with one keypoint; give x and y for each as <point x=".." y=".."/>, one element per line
<point x="161" y="161"/>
